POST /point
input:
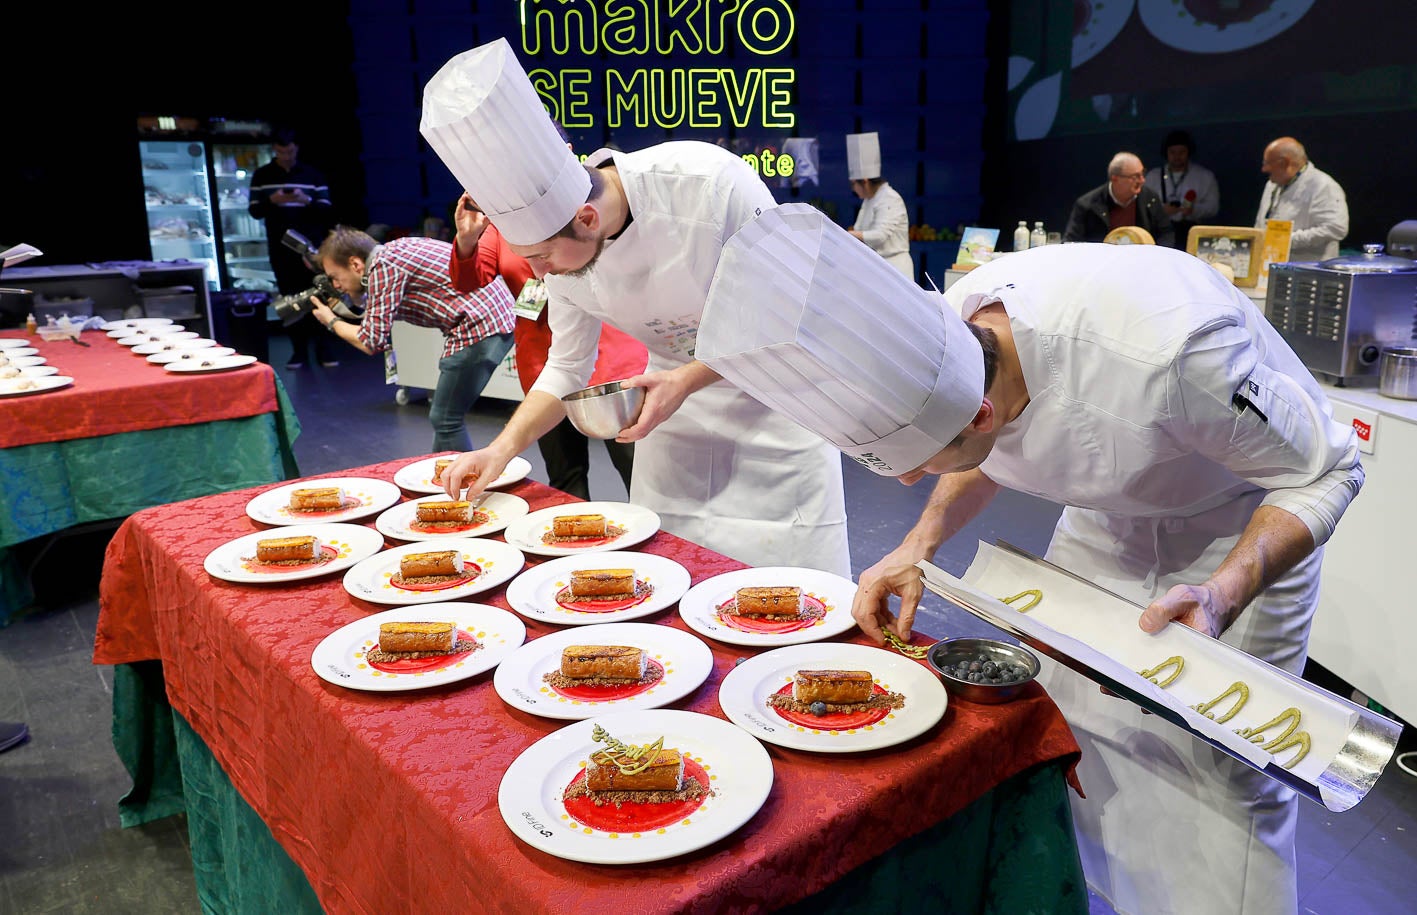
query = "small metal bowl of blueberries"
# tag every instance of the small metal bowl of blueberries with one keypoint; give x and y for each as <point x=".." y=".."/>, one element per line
<point x="983" y="670"/>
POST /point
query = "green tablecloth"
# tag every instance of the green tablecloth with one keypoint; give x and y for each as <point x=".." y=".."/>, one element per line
<point x="1011" y="851"/>
<point x="50" y="487"/>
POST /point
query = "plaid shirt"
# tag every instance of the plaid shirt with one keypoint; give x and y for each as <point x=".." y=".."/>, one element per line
<point x="408" y="281"/>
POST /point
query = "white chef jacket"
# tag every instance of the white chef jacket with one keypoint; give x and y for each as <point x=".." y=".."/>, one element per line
<point x="723" y="471"/>
<point x="1134" y="361"/>
<point x="1318" y="207"/>
<point x="1172" y="187"/>
<point x="884" y="224"/>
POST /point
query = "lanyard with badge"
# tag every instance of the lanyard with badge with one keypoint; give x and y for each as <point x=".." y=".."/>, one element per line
<point x="531" y="300"/>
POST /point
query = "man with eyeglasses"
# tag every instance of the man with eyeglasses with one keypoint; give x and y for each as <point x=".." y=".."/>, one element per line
<point x="1124" y="200"/>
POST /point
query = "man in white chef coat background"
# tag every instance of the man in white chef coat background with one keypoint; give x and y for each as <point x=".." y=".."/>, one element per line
<point x="632" y="239"/>
<point x="883" y="222"/>
<point x="1199" y="463"/>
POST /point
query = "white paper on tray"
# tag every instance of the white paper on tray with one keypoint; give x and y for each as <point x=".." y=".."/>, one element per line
<point x="1101" y="631"/>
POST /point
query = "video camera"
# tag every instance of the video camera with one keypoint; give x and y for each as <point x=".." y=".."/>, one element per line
<point x="291" y="308"/>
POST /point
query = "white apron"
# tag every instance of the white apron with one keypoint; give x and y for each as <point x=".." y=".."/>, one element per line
<point x="723" y="471"/>
<point x="1170" y="824"/>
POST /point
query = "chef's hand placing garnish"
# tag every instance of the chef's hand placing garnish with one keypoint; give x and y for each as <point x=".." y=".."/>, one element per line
<point x="474" y="469"/>
<point x="664" y="392"/>
<point x="1202" y="607"/>
<point x="896" y="574"/>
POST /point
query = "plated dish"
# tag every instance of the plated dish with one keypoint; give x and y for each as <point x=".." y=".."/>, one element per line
<point x="415" y="573"/>
<point x="487" y="636"/>
<point x="760" y="696"/>
<point x="27" y="371"/>
<point x="418" y="476"/>
<point x="732" y="772"/>
<point x="213" y="364"/>
<point x="196" y="354"/>
<point x="542" y="676"/>
<point x="13" y="352"/>
<point x="157" y="335"/>
<point x="577" y="528"/>
<point x="337" y="547"/>
<point x="25" y="385"/>
<point x="14" y="343"/>
<point x="322" y="500"/>
<point x="436" y="517"/>
<point x="20" y="361"/>
<point x="128" y="326"/>
<point x="173" y="342"/>
<point x="546" y="593"/>
<point x="770" y="613"/>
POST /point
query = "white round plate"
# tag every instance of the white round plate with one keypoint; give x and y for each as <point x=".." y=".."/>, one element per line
<point x="35" y="371"/>
<point x="501" y="508"/>
<point x="13" y="343"/>
<point x="14" y="352"/>
<point x="529" y="797"/>
<point x="205" y="351"/>
<point x="173" y="342"/>
<point x="128" y="326"/>
<point x="418" y="476"/>
<point x="22" y="361"/>
<point x="533" y="593"/>
<point x="9" y="388"/>
<point x="744" y="693"/>
<point x="339" y="658"/>
<point x="369" y="580"/>
<point x="686" y="660"/>
<point x="639" y="523"/>
<point x="158" y="334"/>
<point x="699" y="607"/>
<point x="372" y="496"/>
<point x="230" y="561"/>
<point x="1104" y="21"/>
<point x="216" y="364"/>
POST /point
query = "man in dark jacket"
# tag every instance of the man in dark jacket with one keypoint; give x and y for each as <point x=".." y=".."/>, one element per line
<point x="289" y="194"/>
<point x="1124" y="200"/>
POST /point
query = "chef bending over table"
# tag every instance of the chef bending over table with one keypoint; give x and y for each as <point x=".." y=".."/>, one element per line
<point x="1199" y="465"/>
<point x="632" y="239"/>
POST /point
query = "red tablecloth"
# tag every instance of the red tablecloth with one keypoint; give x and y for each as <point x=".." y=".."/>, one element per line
<point x="388" y="802"/>
<point x="117" y="391"/>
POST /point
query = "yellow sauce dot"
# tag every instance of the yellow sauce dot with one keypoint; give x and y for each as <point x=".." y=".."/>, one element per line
<point x="588" y="830"/>
<point x="635" y="836"/>
<point x="687" y="822"/>
<point x="614" y="835"/>
<point x="661" y="830"/>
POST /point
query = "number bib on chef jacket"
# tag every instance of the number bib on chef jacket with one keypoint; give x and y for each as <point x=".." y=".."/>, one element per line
<point x="531" y="300"/>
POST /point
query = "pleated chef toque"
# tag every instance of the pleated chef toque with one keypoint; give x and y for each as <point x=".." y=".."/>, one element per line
<point x="863" y="156"/>
<point x="486" y="122"/>
<point x="817" y="326"/>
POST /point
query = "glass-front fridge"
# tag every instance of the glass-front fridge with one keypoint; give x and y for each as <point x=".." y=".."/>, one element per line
<point x="245" y="260"/>
<point x="177" y="192"/>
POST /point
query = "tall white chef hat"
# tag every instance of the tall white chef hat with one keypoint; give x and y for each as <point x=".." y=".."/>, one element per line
<point x="485" y="121"/>
<point x="817" y="326"/>
<point x="863" y="155"/>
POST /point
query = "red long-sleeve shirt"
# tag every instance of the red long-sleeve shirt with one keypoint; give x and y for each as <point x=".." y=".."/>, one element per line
<point x="619" y="355"/>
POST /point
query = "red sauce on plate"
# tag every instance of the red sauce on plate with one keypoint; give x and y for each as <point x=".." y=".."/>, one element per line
<point x="471" y="572"/>
<point x="812" y="612"/>
<point x="617" y="691"/>
<point x="631" y="817"/>
<point x="832" y="721"/>
<point x="437" y="662"/>
<point x="642" y="594"/>
<point x="261" y="568"/>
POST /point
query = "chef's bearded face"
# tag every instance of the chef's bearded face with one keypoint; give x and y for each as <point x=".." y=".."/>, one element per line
<point x="573" y="252"/>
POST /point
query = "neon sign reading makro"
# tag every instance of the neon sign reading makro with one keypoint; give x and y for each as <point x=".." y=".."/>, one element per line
<point x="669" y="97"/>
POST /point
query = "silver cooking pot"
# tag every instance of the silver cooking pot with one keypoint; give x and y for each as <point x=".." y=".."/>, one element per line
<point x="1397" y="372"/>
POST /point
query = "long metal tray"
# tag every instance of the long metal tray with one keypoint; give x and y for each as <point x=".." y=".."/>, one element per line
<point x="1347" y="779"/>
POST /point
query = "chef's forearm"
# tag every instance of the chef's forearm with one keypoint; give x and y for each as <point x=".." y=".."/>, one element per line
<point x="538" y="414"/>
<point x="1272" y="543"/>
<point x="696" y="375"/>
<point x="957" y="499"/>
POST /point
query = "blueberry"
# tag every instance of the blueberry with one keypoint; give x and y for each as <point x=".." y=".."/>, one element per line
<point x="818" y="708"/>
<point x="991" y="668"/>
<point x="975" y="666"/>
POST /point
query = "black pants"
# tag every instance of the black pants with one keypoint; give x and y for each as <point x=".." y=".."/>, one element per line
<point x="567" y="456"/>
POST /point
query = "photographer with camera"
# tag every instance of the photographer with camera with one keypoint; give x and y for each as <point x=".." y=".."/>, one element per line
<point x="407" y="279"/>
<point x="290" y="195"/>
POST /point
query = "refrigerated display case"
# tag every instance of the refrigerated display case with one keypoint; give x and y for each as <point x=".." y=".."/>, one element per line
<point x="177" y="192"/>
<point x="245" y="259"/>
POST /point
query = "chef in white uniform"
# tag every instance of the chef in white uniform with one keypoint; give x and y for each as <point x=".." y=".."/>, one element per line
<point x="1199" y="463"/>
<point x="632" y="239"/>
<point x="883" y="222"/>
